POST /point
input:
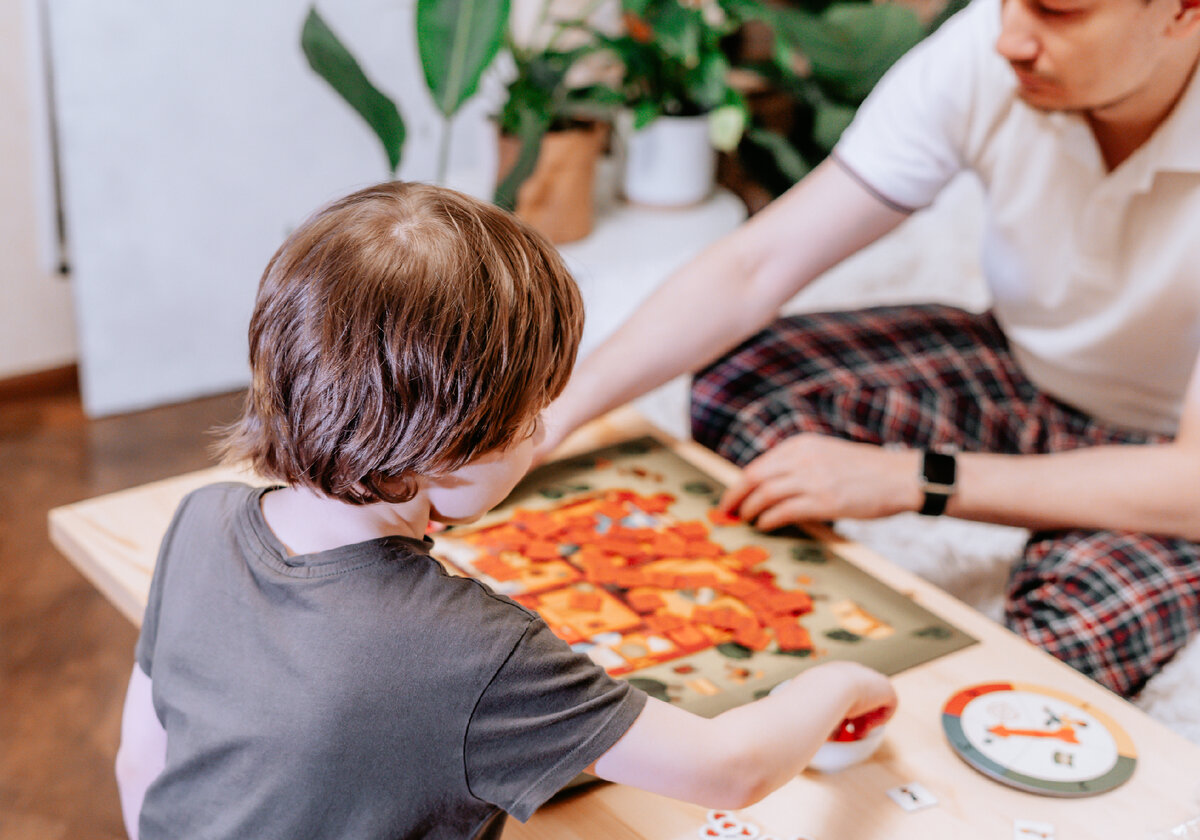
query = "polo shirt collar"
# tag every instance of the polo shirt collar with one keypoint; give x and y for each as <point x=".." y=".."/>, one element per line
<point x="1178" y="138"/>
<point x="1075" y="136"/>
<point x="1173" y="147"/>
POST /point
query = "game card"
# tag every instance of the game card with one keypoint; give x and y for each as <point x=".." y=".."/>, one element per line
<point x="913" y="796"/>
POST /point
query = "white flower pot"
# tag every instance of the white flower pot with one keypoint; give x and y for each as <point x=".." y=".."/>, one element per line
<point x="670" y="162"/>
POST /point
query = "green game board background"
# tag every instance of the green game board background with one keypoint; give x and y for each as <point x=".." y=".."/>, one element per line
<point x="919" y="636"/>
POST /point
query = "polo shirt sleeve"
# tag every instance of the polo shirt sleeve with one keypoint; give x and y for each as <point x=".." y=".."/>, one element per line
<point x="548" y="713"/>
<point x="909" y="137"/>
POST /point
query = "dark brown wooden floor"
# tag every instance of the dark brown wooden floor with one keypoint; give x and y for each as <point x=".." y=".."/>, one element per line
<point x="65" y="652"/>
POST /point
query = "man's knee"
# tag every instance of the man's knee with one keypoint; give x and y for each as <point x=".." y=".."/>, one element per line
<point x="1113" y="606"/>
<point x="756" y="394"/>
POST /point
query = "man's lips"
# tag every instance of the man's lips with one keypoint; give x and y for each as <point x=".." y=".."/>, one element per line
<point x="1027" y="78"/>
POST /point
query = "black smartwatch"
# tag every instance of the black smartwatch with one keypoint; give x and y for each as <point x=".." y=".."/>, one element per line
<point x="937" y="482"/>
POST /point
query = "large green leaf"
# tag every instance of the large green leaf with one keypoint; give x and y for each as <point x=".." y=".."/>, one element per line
<point x="710" y="81"/>
<point x="878" y="35"/>
<point x="790" y="163"/>
<point x="333" y="62"/>
<point x="832" y="118"/>
<point x="800" y="36"/>
<point x="645" y="112"/>
<point x="457" y="40"/>
<point x="679" y="32"/>
<point x="849" y="46"/>
<point x="532" y="127"/>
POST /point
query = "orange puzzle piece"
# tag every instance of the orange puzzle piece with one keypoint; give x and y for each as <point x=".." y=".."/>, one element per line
<point x="719" y="517"/>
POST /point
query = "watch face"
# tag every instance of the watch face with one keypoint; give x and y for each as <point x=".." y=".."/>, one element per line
<point x="1038" y="739"/>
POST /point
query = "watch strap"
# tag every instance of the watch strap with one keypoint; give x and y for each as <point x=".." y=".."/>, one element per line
<point x="938" y="472"/>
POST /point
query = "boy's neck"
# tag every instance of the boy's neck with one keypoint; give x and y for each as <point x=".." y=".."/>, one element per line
<point x="307" y="522"/>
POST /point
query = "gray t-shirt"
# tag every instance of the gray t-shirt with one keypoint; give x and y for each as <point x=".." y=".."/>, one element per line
<point x="360" y="692"/>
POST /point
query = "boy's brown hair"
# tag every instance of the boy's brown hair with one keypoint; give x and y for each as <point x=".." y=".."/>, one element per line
<point x="402" y="331"/>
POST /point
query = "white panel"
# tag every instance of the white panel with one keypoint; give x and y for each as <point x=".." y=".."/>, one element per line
<point x="45" y="202"/>
<point x="194" y="136"/>
<point x="36" y="329"/>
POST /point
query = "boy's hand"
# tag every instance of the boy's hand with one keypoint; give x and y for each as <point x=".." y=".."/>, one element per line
<point x="874" y="700"/>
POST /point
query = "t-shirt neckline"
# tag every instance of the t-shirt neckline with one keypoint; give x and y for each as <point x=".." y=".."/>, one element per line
<point x="268" y="548"/>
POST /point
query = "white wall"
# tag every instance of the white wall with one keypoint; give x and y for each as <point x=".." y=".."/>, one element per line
<point x="194" y="137"/>
<point x="36" y="329"/>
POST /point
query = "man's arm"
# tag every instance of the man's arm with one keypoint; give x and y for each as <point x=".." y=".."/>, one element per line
<point x="143" y="751"/>
<point x="740" y="756"/>
<point x="1153" y="488"/>
<point x="733" y="288"/>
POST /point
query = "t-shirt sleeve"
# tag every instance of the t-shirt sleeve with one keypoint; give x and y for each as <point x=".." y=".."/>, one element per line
<point x="144" y="652"/>
<point x="909" y="137"/>
<point x="548" y="713"/>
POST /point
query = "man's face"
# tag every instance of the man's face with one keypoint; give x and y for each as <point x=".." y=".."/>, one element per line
<point x="1084" y="55"/>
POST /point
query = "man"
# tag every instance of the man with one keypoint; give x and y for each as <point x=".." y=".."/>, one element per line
<point x="1072" y="408"/>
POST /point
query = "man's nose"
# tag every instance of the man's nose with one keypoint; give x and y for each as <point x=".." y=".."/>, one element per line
<point x="1017" y="41"/>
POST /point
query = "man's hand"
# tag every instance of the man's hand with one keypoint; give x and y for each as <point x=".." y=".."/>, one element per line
<point x="813" y="477"/>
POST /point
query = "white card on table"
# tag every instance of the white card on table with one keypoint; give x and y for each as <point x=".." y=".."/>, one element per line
<point x="1032" y="830"/>
<point x="912" y="796"/>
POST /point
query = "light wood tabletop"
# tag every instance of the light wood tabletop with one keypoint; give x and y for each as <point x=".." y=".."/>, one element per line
<point x="114" y="539"/>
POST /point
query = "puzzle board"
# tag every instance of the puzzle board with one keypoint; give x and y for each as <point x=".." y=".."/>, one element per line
<point x="623" y="553"/>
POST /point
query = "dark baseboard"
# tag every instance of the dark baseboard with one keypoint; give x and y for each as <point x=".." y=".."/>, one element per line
<point x="42" y="383"/>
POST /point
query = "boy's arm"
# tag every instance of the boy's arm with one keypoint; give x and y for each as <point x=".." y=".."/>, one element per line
<point x="729" y="291"/>
<point x="143" y="751"/>
<point x="740" y="756"/>
<point x="1151" y="488"/>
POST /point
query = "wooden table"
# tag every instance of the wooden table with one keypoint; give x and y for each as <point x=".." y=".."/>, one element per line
<point x="114" y="539"/>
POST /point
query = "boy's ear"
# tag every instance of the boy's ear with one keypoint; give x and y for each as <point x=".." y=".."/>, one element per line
<point x="401" y="487"/>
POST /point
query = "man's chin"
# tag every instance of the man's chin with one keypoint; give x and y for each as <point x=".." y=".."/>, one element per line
<point x="1042" y="99"/>
<point x="1038" y="91"/>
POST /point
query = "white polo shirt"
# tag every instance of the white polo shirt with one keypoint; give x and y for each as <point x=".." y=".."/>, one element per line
<point x="1094" y="276"/>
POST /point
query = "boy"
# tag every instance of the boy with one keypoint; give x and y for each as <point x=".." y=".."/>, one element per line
<point x="305" y="668"/>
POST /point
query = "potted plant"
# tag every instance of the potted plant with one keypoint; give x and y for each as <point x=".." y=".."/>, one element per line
<point x="551" y="135"/>
<point x="551" y="126"/>
<point x="554" y="123"/>
<point x="684" y="103"/>
<point x="681" y="105"/>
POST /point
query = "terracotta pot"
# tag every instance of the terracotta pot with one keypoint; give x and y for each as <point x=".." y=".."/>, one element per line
<point x="556" y="199"/>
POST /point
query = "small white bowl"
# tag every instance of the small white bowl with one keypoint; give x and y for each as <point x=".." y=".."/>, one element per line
<point x="838" y="755"/>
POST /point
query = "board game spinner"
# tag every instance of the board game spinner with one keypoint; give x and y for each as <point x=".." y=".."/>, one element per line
<point x="623" y="553"/>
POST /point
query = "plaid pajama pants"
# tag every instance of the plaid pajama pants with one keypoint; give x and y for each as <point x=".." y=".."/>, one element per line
<point x="1114" y="605"/>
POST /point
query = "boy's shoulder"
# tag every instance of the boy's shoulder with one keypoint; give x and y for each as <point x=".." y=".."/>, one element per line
<point x="218" y="495"/>
<point x="222" y="500"/>
<point x="227" y="490"/>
